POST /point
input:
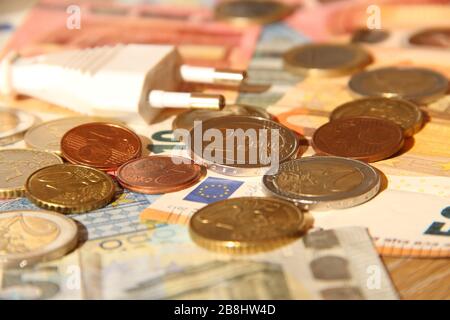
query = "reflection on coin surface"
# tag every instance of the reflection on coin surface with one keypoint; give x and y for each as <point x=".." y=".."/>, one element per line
<point x="246" y="225"/>
<point x="248" y="11"/>
<point x="369" y="36"/>
<point x="47" y="136"/>
<point x="29" y="237"/>
<point x="100" y="145"/>
<point x="252" y="154"/>
<point x="70" y="188"/>
<point x="406" y="114"/>
<point x="16" y="165"/>
<point x="159" y="174"/>
<point x="416" y="84"/>
<point x="326" y="59"/>
<point x="324" y="183"/>
<point x="186" y="119"/>
<point x="13" y="124"/>
<point x="434" y="37"/>
<point x="361" y="138"/>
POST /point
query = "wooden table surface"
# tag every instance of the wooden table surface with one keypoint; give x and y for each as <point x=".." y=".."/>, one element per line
<point x="420" y="278"/>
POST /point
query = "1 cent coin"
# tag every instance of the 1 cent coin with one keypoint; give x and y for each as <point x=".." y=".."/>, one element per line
<point x="404" y="113"/>
<point x="68" y="188"/>
<point x="30" y="237"/>
<point x="361" y="138"/>
<point x="100" y="145"/>
<point x="159" y="174"/>
<point x="247" y="225"/>
<point x="416" y="84"/>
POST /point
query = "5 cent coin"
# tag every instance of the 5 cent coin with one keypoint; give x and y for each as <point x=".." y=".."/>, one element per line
<point x="100" y="145"/>
<point x="361" y="138"/>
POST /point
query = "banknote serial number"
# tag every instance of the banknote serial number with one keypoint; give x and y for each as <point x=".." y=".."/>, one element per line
<point x="226" y="309"/>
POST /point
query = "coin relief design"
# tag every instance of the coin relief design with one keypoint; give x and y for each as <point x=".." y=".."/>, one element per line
<point x="246" y="224"/>
<point x="416" y="84"/>
<point x="8" y="121"/>
<point x="28" y="237"/>
<point x="324" y="182"/>
<point x="70" y="188"/>
<point x="159" y="174"/>
<point x="103" y="146"/>
<point x="16" y="165"/>
<point x="13" y="124"/>
<point x="406" y="114"/>
<point x="362" y="138"/>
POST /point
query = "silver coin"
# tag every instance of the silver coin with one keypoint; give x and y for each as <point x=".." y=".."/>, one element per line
<point x="324" y="183"/>
<point x="250" y="154"/>
<point x="13" y="125"/>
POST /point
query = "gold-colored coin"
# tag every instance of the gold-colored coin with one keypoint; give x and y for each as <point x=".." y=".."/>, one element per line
<point x="13" y="124"/>
<point x="70" y="188"/>
<point x="326" y="59"/>
<point x="247" y="225"/>
<point x="404" y="113"/>
<point x="419" y="85"/>
<point x="245" y="12"/>
<point x="186" y="119"/>
<point x="28" y="237"/>
<point x="47" y="136"/>
<point x="16" y="165"/>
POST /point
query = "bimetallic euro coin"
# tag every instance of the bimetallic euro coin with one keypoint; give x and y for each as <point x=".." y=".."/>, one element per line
<point x="186" y="119"/>
<point x="242" y="145"/>
<point x="326" y="59"/>
<point x="159" y="174"/>
<point x="29" y="237"/>
<point x="247" y="225"/>
<point x="245" y="12"/>
<point x="404" y="113"/>
<point x="433" y="37"/>
<point x="13" y="124"/>
<point x="47" y="136"/>
<point x="415" y="84"/>
<point x="16" y="165"/>
<point x="324" y="183"/>
<point x="70" y="188"/>
<point x="361" y="138"/>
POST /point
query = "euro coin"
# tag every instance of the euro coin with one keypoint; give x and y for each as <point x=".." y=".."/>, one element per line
<point x="47" y="136"/>
<point x="13" y="125"/>
<point x="244" y="12"/>
<point x="404" y="113"/>
<point x="67" y="188"/>
<point x="360" y="138"/>
<point x="415" y="84"/>
<point x="433" y="37"/>
<point x="247" y="225"/>
<point x="29" y="237"/>
<point x="324" y="183"/>
<point x="242" y="145"/>
<point x="159" y="174"/>
<point x="100" y="145"/>
<point x="186" y="119"/>
<point x="16" y="165"/>
<point x="326" y="59"/>
<point x="369" y="36"/>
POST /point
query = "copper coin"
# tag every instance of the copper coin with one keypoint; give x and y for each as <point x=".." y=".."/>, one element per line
<point x="100" y="145"/>
<point x="435" y="37"/>
<point x="360" y="138"/>
<point x="159" y="174"/>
